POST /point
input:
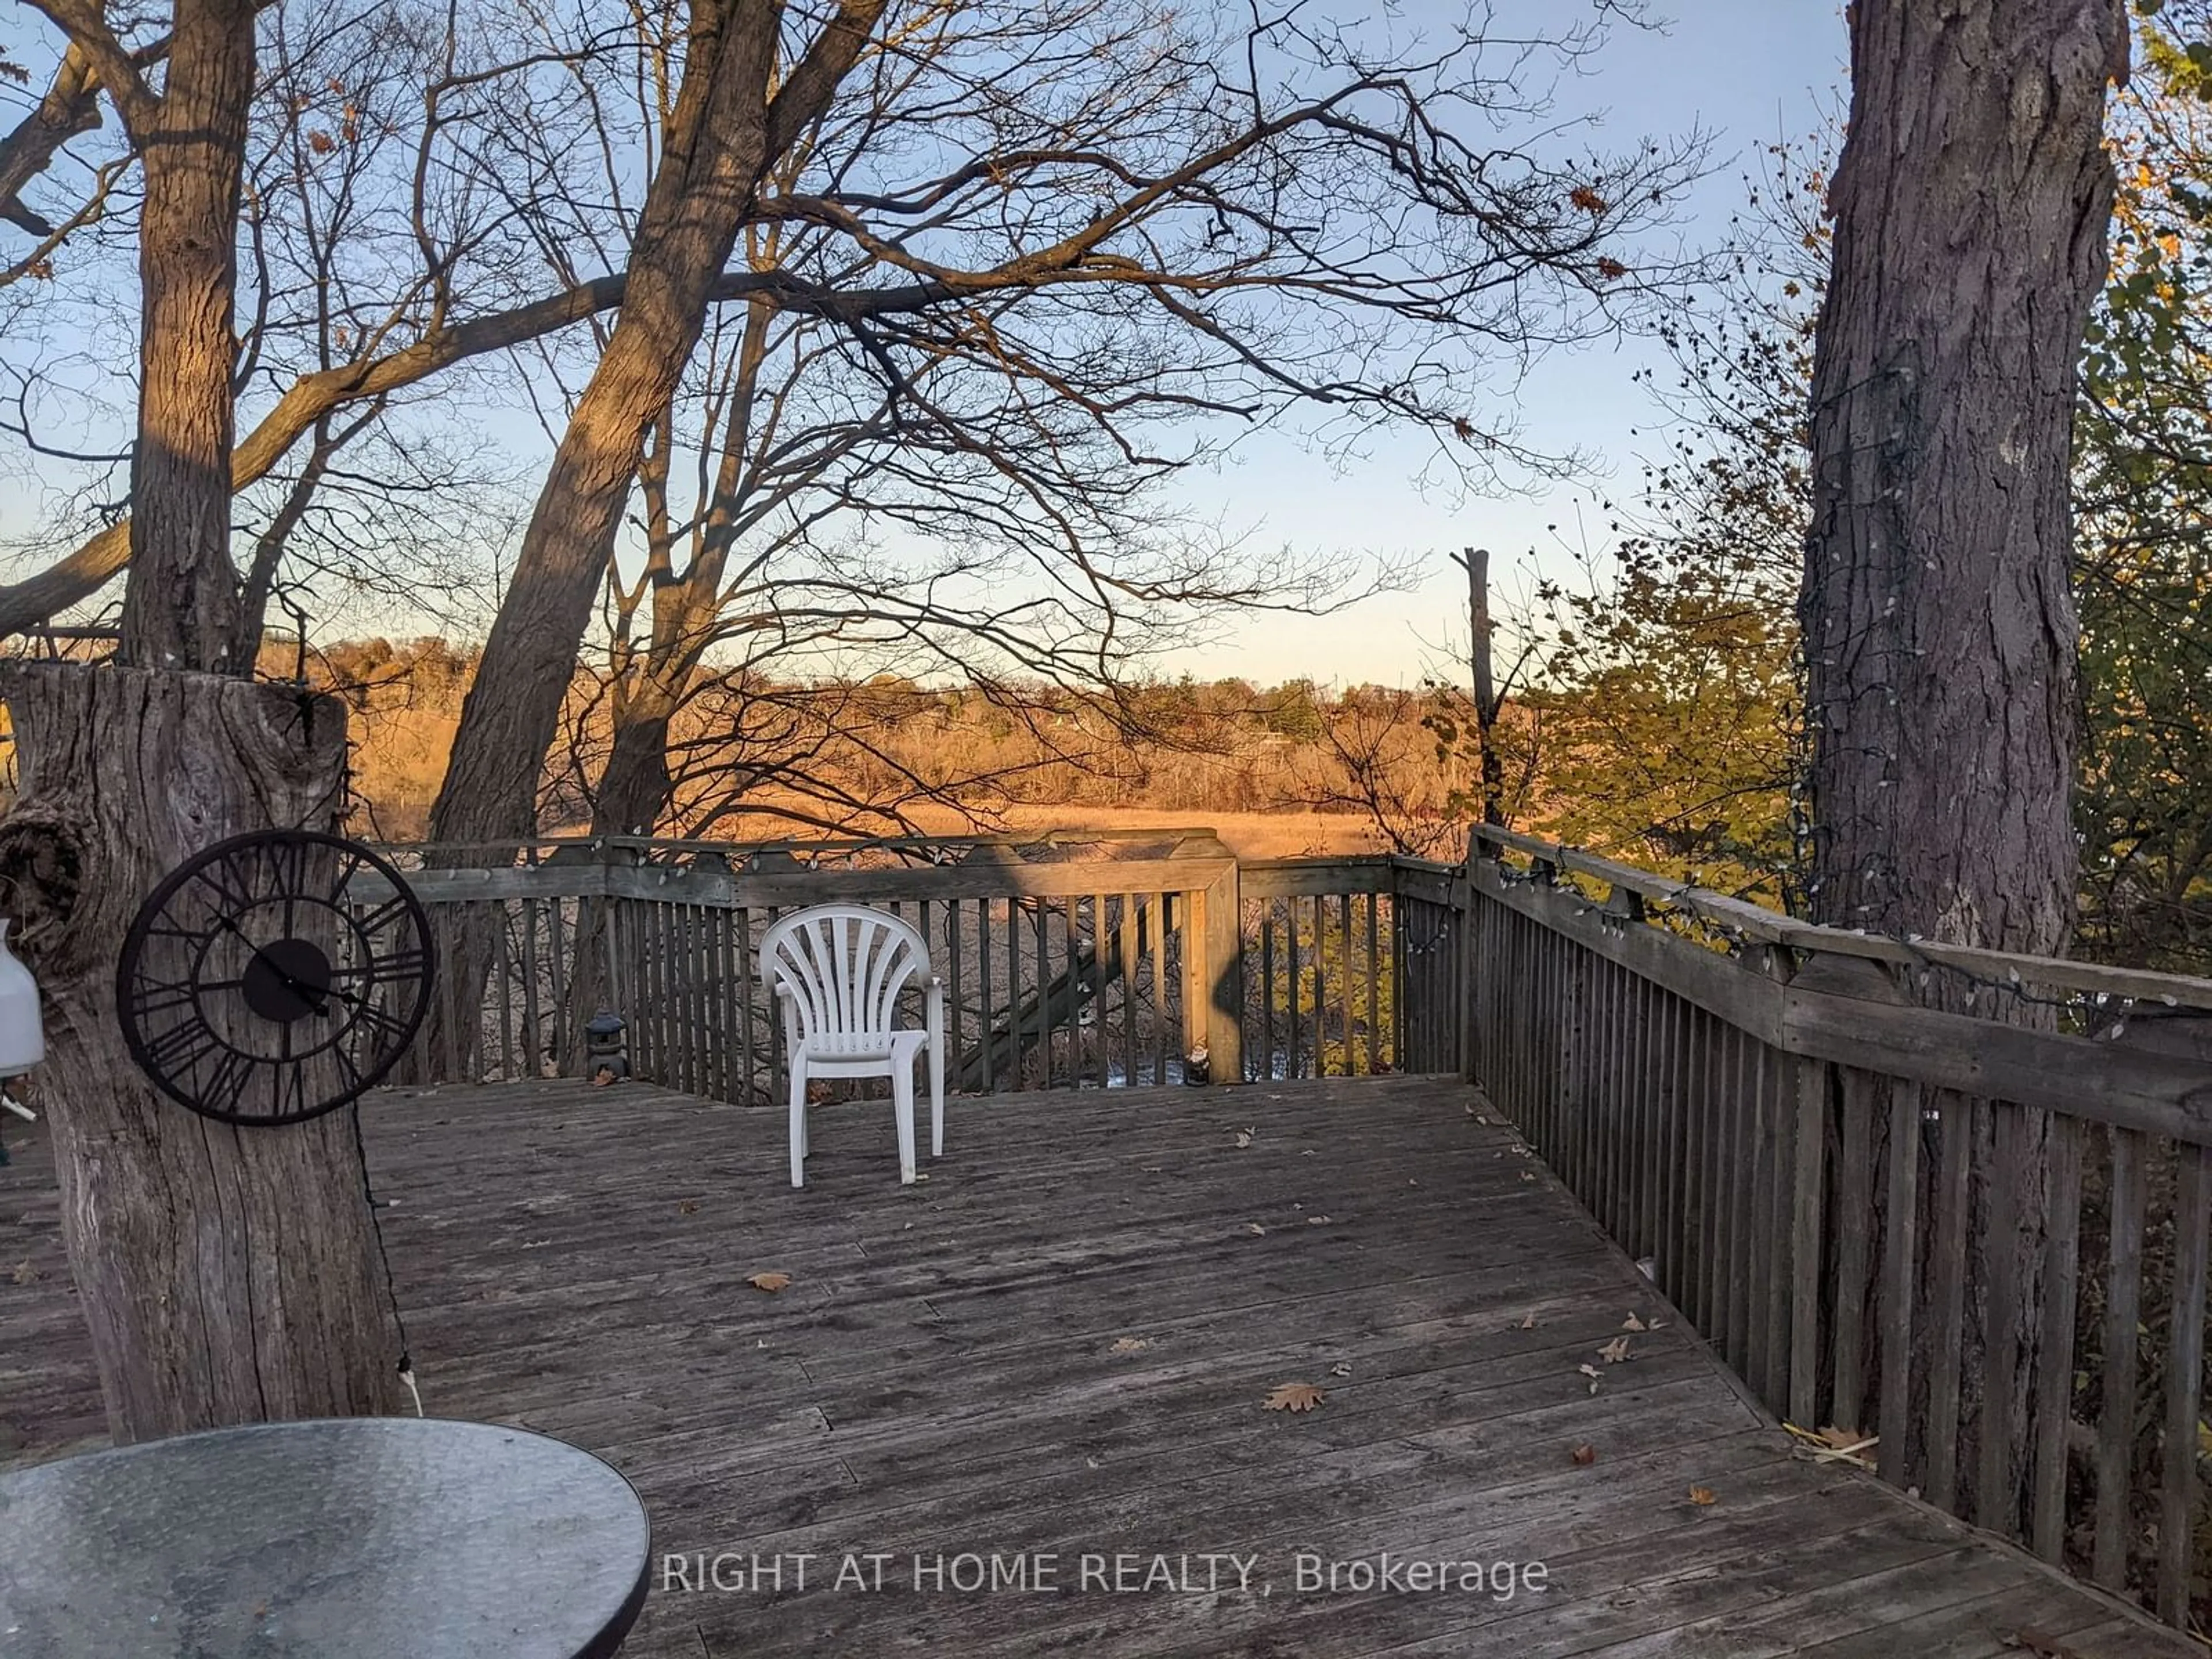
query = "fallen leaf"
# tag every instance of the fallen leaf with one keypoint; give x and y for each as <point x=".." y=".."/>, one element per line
<point x="24" y="1274"/>
<point x="1293" y="1397"/>
<point x="1591" y="1372"/>
<point x="1130" y="1345"/>
<point x="1315" y="1220"/>
<point x="1633" y="1323"/>
<point x="1529" y="1323"/>
<point x="687" y="1207"/>
<point x="601" y="1077"/>
<point x="1704" y="1497"/>
<point x="1527" y="1175"/>
<point x="1244" y="1138"/>
<point x="1339" y="1370"/>
<point x="1255" y="1228"/>
<point x="1586" y="1456"/>
<point x="1614" y="1351"/>
<point x="770" y="1282"/>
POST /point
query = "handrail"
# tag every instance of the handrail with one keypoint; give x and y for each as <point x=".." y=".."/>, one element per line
<point x="586" y="841"/>
<point x="1874" y="1208"/>
<point x="1764" y="926"/>
<point x="1277" y="967"/>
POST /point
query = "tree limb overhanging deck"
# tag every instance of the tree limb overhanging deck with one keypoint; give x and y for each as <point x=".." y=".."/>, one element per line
<point x="1058" y="1348"/>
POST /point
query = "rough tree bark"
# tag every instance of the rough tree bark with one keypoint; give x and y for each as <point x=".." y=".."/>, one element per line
<point x="228" y="1274"/>
<point x="1971" y="204"/>
<point x="180" y="606"/>
<point x="720" y="136"/>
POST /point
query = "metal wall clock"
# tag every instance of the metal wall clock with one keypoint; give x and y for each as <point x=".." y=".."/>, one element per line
<point x="275" y="976"/>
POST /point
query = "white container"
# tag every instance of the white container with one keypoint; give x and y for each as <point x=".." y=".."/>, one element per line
<point x="22" y="1038"/>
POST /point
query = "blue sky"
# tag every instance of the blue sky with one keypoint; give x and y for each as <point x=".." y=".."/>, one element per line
<point x="1747" y="71"/>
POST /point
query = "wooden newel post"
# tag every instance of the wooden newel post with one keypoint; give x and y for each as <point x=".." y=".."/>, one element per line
<point x="1470" y="956"/>
<point x="1218" y="918"/>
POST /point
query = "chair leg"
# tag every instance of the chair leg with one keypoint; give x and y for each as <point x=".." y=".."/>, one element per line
<point x="937" y="1097"/>
<point x="797" y="1122"/>
<point x="903" y="1105"/>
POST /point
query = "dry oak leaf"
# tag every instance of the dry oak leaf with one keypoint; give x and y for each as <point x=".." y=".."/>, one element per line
<point x="1615" y="1351"/>
<point x="1130" y="1345"/>
<point x="1529" y="1323"/>
<point x="1255" y="1229"/>
<point x="1633" y="1323"/>
<point x="1591" y="1372"/>
<point x="1244" y="1138"/>
<point x="1293" y="1397"/>
<point x="687" y="1207"/>
<point x="1585" y="1455"/>
<point x="1704" y="1497"/>
<point x="770" y="1282"/>
<point x="1587" y="199"/>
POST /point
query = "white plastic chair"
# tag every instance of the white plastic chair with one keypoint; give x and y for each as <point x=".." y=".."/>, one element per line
<point x="838" y="971"/>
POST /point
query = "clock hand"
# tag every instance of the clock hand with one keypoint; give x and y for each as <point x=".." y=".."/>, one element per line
<point x="314" y="996"/>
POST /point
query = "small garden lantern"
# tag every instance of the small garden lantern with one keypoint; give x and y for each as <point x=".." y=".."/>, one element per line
<point x="605" y="1058"/>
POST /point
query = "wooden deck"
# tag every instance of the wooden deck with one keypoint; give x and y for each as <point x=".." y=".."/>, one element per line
<point x="1052" y="1354"/>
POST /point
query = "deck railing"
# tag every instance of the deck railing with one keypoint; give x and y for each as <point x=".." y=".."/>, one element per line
<point x="1971" y="1249"/>
<point x="1071" y="960"/>
<point x="1974" y="1246"/>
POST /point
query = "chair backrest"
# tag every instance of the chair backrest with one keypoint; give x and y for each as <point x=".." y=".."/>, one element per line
<point x="846" y="964"/>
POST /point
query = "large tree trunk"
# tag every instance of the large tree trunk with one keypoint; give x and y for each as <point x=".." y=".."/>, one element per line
<point x="1972" y="205"/>
<point x="634" y="790"/>
<point x="713" y="155"/>
<point x="228" y="1274"/>
<point x="719" y="138"/>
<point x="180" y="606"/>
<point x="722" y="134"/>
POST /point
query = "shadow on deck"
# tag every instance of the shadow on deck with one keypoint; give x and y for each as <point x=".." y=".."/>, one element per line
<point x="1057" y="1348"/>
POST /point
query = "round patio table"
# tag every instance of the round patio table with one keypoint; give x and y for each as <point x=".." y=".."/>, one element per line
<point x="355" y="1538"/>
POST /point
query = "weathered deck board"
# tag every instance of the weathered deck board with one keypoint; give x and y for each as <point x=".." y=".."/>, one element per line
<point x="943" y="1376"/>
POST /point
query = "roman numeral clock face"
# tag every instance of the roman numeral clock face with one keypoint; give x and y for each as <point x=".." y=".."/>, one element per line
<point x="275" y="977"/>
